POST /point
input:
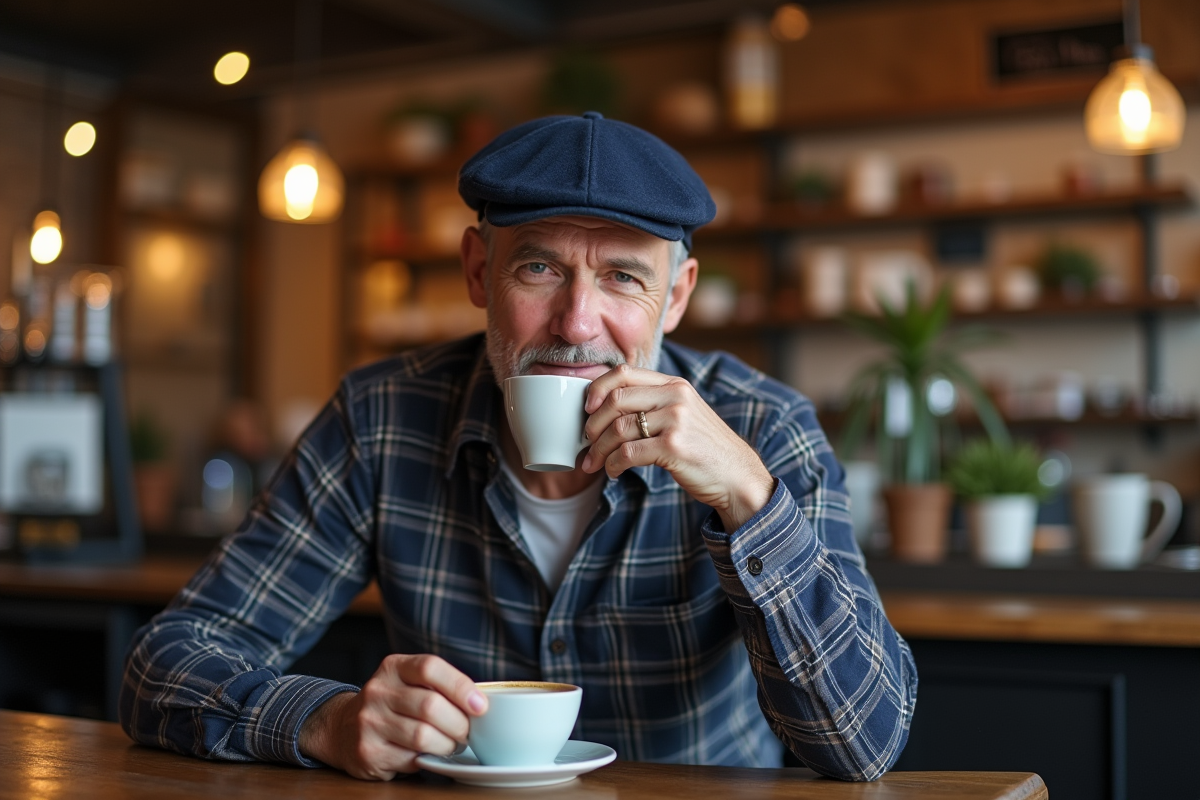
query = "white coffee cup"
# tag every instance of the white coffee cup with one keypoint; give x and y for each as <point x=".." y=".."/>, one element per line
<point x="526" y="724"/>
<point x="545" y="414"/>
<point x="1111" y="513"/>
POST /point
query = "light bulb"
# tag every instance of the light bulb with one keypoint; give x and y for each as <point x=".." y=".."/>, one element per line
<point x="79" y="138"/>
<point x="231" y="68"/>
<point x="1134" y="110"/>
<point x="46" y="242"/>
<point x="301" y="184"/>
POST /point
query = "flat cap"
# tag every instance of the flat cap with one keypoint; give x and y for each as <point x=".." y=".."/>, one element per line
<point x="589" y="166"/>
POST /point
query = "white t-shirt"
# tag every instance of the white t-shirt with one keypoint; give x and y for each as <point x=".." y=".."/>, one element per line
<point x="553" y="529"/>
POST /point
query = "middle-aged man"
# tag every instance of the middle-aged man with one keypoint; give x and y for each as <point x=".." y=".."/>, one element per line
<point x="695" y="574"/>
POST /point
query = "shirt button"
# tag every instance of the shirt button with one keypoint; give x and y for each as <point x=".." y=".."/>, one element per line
<point x="754" y="564"/>
<point x="558" y="647"/>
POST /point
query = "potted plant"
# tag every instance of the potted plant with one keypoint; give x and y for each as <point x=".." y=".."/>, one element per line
<point x="1000" y="485"/>
<point x="154" y="476"/>
<point x="910" y="392"/>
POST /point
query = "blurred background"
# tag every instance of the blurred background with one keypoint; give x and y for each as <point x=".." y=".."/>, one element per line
<point x="851" y="147"/>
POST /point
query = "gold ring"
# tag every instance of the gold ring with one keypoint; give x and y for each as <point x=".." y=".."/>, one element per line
<point x="645" y="428"/>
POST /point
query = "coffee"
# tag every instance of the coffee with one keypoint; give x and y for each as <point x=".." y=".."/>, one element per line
<point x="526" y="724"/>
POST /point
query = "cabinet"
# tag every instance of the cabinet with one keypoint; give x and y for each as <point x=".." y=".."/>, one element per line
<point x="177" y="213"/>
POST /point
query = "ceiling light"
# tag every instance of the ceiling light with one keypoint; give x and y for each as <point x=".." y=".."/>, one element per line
<point x="80" y="138"/>
<point x="301" y="184"/>
<point x="46" y="242"/>
<point x="231" y="68"/>
<point x="1134" y="109"/>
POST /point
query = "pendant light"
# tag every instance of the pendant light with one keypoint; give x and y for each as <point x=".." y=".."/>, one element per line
<point x="46" y="241"/>
<point x="1134" y="109"/>
<point x="302" y="183"/>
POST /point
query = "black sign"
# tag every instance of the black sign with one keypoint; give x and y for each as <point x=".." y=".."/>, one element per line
<point x="1082" y="49"/>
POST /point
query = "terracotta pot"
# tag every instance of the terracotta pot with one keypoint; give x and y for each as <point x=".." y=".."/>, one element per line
<point x="155" y="487"/>
<point x="918" y="519"/>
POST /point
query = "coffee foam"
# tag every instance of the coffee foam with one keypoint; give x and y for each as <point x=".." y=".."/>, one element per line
<point x="523" y="687"/>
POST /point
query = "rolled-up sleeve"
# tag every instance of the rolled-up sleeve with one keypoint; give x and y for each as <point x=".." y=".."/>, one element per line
<point x="837" y="683"/>
<point x="206" y="676"/>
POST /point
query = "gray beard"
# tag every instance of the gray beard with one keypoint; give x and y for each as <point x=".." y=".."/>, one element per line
<point x="508" y="362"/>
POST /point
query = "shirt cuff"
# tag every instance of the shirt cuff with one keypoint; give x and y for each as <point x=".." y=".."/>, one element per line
<point x="273" y="734"/>
<point x="773" y="545"/>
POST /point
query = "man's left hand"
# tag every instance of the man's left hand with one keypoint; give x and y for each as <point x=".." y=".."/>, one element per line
<point x="686" y="438"/>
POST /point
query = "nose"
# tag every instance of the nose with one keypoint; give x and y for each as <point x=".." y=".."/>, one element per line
<point x="576" y="316"/>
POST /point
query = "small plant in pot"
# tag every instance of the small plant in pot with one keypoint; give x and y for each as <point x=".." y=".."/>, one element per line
<point x="153" y="474"/>
<point x="1000" y="485"/>
<point x="910" y="392"/>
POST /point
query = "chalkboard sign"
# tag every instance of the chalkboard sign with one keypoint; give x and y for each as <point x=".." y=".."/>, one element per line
<point x="1082" y="49"/>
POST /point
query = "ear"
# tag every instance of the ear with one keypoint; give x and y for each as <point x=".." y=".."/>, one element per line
<point x="680" y="292"/>
<point x="473" y="251"/>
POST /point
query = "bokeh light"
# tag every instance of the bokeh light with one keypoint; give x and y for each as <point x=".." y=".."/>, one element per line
<point x="790" y="23"/>
<point x="80" y="138"/>
<point x="231" y="68"/>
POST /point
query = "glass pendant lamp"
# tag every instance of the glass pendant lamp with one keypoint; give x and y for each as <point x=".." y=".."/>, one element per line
<point x="302" y="183"/>
<point x="1134" y="109"/>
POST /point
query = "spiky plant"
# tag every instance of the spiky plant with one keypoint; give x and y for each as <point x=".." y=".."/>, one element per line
<point x="985" y="468"/>
<point x="919" y="351"/>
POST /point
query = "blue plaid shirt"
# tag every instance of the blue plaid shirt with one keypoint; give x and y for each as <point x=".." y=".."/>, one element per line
<point x="685" y="652"/>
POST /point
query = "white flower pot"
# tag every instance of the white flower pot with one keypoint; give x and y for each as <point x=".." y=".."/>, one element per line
<point x="1001" y="529"/>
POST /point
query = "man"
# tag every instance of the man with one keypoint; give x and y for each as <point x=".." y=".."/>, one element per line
<point x="695" y="574"/>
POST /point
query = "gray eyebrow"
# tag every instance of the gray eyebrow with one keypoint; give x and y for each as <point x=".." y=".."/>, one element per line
<point x="533" y="252"/>
<point x="634" y="266"/>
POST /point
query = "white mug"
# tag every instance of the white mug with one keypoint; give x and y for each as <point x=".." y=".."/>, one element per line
<point x="545" y="414"/>
<point x="526" y="724"/>
<point x="1111" y="513"/>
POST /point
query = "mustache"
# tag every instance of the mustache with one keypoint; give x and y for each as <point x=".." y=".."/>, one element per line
<point x="585" y="353"/>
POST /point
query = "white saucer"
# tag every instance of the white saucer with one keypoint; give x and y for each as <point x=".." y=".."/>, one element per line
<point x="573" y="760"/>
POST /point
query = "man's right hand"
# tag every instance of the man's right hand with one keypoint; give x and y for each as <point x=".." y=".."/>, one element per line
<point x="411" y="705"/>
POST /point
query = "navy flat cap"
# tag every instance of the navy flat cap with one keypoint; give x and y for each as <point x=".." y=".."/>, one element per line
<point x="589" y="166"/>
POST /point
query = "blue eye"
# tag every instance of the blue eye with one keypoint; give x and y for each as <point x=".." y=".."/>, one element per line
<point x="537" y="268"/>
<point x="624" y="277"/>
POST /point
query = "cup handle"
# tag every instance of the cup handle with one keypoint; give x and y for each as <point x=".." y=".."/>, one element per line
<point x="1166" y="494"/>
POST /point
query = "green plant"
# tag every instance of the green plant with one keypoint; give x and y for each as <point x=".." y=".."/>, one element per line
<point x="1068" y="268"/>
<point x="148" y="442"/>
<point x="984" y="468"/>
<point x="920" y="355"/>
<point x="813" y="187"/>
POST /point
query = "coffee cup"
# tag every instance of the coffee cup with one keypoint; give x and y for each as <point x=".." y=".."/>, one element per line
<point x="1112" y="512"/>
<point x="526" y="724"/>
<point x="545" y="414"/>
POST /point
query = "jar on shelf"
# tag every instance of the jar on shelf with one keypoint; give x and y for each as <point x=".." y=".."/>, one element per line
<point x="752" y="74"/>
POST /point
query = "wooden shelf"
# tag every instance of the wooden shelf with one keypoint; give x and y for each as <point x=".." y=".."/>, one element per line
<point x="833" y="420"/>
<point x="1049" y="308"/>
<point x="796" y="217"/>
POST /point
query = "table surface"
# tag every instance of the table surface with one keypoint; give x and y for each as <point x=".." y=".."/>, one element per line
<point x="916" y="615"/>
<point x="62" y="757"/>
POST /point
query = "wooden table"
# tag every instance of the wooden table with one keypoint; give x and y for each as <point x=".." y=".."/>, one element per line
<point x="43" y="756"/>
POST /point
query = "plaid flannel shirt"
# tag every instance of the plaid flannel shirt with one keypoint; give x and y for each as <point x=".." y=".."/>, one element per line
<point x="692" y="644"/>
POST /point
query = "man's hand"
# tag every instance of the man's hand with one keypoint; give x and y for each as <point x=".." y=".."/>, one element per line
<point x="687" y="438"/>
<point x="411" y="705"/>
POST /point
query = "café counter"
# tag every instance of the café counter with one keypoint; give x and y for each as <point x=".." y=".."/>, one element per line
<point x="1094" y="692"/>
